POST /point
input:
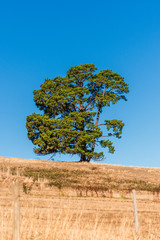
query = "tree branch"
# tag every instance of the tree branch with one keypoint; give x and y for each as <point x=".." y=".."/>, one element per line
<point x="87" y="105"/>
<point x="101" y="124"/>
<point x="104" y="91"/>
<point x="77" y="106"/>
<point x="110" y="135"/>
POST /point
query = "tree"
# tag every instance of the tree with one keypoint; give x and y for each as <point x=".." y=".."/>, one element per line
<point x="71" y="107"/>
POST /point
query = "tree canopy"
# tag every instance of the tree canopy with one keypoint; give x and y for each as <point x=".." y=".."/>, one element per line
<point x="71" y="107"/>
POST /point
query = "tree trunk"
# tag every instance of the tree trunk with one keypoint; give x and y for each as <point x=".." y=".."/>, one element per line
<point x="83" y="146"/>
<point x="83" y="158"/>
<point x="97" y="120"/>
<point x="94" y="141"/>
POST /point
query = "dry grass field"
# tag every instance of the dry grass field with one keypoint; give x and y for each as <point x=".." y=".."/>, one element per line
<point x="79" y="201"/>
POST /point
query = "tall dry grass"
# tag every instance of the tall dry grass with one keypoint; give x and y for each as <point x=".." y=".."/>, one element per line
<point x="77" y="219"/>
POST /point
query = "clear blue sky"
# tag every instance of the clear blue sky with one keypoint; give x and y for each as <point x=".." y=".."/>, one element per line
<point x="40" y="39"/>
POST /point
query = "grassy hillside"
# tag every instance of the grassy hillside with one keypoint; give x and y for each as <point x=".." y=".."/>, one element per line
<point x="91" y="178"/>
<point x="79" y="201"/>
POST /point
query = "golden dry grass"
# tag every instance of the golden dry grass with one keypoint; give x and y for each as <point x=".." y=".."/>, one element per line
<point x="80" y="219"/>
<point x="49" y="213"/>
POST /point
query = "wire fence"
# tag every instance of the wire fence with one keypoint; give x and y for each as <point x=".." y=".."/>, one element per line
<point x="26" y="216"/>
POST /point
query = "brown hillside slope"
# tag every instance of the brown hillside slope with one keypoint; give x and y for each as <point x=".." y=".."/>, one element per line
<point x="88" y="177"/>
<point x="79" y="201"/>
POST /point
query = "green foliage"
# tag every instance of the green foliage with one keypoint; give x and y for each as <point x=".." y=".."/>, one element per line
<point x="71" y="109"/>
<point x="116" y="126"/>
<point x="27" y="189"/>
<point x="80" y="179"/>
<point x="50" y="174"/>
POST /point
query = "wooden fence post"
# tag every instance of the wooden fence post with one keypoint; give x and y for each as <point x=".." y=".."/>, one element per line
<point x="8" y="172"/>
<point x="135" y="210"/>
<point x="16" y="210"/>
<point x="17" y="172"/>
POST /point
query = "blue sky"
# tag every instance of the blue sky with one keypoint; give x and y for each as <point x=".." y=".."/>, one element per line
<point x="42" y="39"/>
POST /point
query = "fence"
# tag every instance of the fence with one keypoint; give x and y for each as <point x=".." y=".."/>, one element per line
<point x="58" y="218"/>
